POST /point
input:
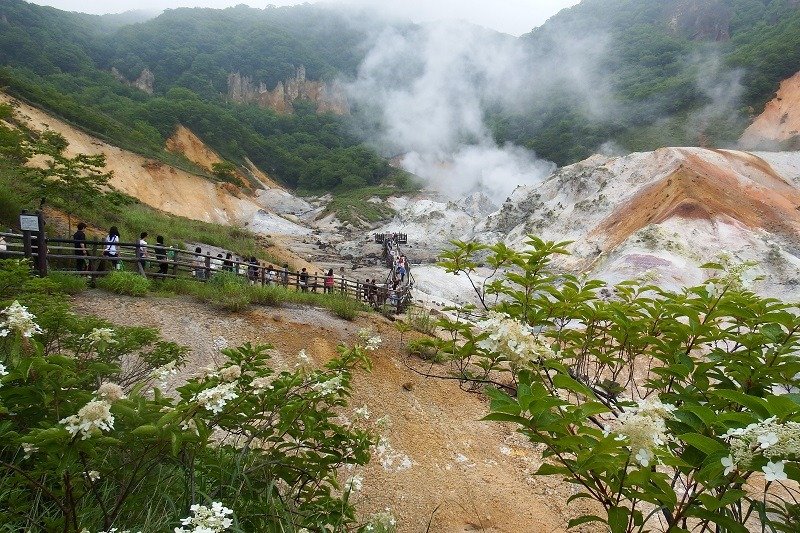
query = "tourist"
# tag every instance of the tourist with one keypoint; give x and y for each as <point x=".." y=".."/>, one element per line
<point x="161" y="256"/>
<point x="217" y="263"/>
<point x="270" y="275"/>
<point x="285" y="276"/>
<point x="252" y="270"/>
<point x="329" y="282"/>
<point x="141" y="252"/>
<point x="111" y="249"/>
<point x="302" y="280"/>
<point x="81" y="252"/>
<point x="227" y="264"/>
<point x="199" y="264"/>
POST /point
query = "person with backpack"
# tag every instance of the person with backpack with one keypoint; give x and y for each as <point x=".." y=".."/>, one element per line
<point x="111" y="248"/>
<point x="303" y="280"/>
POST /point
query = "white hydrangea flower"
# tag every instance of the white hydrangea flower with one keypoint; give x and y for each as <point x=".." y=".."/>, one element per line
<point x="370" y="340"/>
<point x="190" y="425"/>
<point x="110" y="392"/>
<point x="384" y="520"/>
<point x="94" y="417"/>
<point x="205" y="520"/>
<point x="354" y="484"/>
<point x="362" y="412"/>
<point x="100" y="335"/>
<point x="330" y="386"/>
<point x="774" y="471"/>
<point x="514" y="339"/>
<point x="29" y="449"/>
<point x="644" y="428"/>
<point x="767" y="438"/>
<point x="729" y="465"/>
<point x="215" y="398"/>
<point x="3" y="372"/>
<point x="231" y="373"/>
<point x="303" y="358"/>
<point x="18" y="320"/>
<point x="93" y="475"/>
<point x="162" y="373"/>
<point x="713" y="290"/>
<point x="262" y="383"/>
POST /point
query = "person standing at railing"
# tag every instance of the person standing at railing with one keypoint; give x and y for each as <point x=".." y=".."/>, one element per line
<point x="199" y="264"/>
<point x="161" y="257"/>
<point x="81" y="252"/>
<point x="111" y="249"/>
<point x="302" y="280"/>
<point x="141" y="253"/>
<point x="329" y="282"/>
<point x="285" y="275"/>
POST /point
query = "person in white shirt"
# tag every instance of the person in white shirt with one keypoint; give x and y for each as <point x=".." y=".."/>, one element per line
<point x="111" y="249"/>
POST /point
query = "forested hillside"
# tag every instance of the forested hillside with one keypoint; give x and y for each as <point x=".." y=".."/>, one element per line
<point x="655" y="73"/>
<point x="63" y="61"/>
<point x="670" y="72"/>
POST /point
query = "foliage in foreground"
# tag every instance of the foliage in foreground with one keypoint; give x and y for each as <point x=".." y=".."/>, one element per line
<point x="671" y="411"/>
<point x="90" y="439"/>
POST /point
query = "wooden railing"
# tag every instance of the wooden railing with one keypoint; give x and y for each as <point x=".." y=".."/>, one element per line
<point x="161" y="262"/>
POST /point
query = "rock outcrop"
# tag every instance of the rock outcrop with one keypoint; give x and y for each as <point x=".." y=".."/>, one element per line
<point x="328" y="97"/>
<point x="779" y="124"/>
<point x="145" y="82"/>
<point x="708" y="20"/>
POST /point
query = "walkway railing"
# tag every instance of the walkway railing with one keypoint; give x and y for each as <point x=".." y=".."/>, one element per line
<point x="162" y="262"/>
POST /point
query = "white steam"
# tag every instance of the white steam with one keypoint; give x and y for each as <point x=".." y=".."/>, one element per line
<point x="431" y="86"/>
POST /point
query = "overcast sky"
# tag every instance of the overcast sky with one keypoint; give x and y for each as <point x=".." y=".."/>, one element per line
<point x="510" y="16"/>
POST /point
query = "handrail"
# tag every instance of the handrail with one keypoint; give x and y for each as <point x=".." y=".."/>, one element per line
<point x="170" y="262"/>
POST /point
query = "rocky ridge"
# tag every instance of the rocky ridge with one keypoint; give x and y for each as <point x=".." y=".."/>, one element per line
<point x="328" y="97"/>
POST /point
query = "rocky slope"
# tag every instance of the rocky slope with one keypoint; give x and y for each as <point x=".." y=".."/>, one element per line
<point x="780" y="121"/>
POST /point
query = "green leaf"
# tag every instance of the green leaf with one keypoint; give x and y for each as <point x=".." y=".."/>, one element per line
<point x="705" y="444"/>
<point x="585" y="519"/>
<point x="563" y="381"/>
<point x="618" y="519"/>
<point x="548" y="469"/>
<point x="755" y="404"/>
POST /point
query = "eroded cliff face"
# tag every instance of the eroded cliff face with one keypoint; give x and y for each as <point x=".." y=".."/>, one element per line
<point x="328" y="97"/>
<point x="708" y="20"/>
<point x="779" y="124"/>
<point x="144" y="82"/>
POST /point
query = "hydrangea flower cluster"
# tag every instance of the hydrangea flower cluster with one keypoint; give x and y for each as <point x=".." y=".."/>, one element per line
<point x="769" y="439"/>
<point x="354" y="484"/>
<point x="29" y="449"/>
<point x="110" y="392"/>
<point x="382" y="521"/>
<point x="230" y="373"/>
<point x="362" y="412"/>
<point x="331" y="386"/>
<point x="94" y="417"/>
<point x="644" y="428"/>
<point x="100" y="336"/>
<point x="215" y="398"/>
<point x="262" y="383"/>
<point x="3" y="372"/>
<point x="513" y="339"/>
<point x="206" y="520"/>
<point x="371" y="341"/>
<point x="18" y="320"/>
<point x="162" y="373"/>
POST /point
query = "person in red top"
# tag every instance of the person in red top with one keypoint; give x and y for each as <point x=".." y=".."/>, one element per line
<point x="329" y="281"/>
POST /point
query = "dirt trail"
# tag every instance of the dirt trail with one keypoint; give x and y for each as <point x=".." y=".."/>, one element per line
<point x="464" y="475"/>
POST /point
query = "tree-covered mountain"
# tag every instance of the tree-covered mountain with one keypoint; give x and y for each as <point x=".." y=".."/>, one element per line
<point x="666" y="72"/>
<point x="640" y="73"/>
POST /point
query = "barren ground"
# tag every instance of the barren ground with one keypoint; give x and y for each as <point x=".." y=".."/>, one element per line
<point x="465" y="475"/>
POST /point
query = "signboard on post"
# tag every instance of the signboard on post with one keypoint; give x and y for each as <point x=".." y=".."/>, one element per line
<point x="29" y="222"/>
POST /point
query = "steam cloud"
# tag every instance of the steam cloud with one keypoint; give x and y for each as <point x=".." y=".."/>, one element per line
<point x="431" y="86"/>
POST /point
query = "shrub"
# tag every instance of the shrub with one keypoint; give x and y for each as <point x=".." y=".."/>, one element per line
<point x="270" y="295"/>
<point x="421" y="320"/>
<point x="125" y="283"/>
<point x="343" y="307"/>
<point x="81" y="430"/>
<point x="673" y="411"/>
<point x="68" y="283"/>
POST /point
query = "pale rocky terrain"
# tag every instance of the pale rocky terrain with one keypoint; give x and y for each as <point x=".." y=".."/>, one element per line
<point x="780" y="120"/>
